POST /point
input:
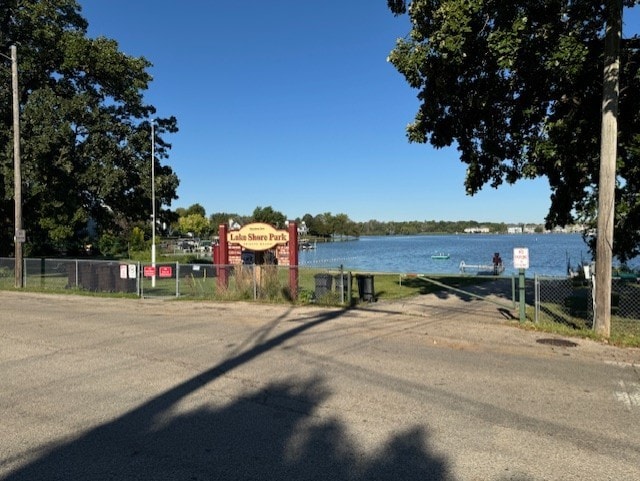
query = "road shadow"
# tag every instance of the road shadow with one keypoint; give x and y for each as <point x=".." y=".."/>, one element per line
<point x="272" y="433"/>
<point x="468" y="289"/>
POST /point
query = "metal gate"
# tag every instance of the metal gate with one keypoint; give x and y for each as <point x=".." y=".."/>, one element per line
<point x="498" y="291"/>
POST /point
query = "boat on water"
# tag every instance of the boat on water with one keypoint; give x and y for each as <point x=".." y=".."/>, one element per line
<point x="440" y="256"/>
<point x="307" y="246"/>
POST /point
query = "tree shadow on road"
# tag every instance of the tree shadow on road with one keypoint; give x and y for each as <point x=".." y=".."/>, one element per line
<point x="471" y="289"/>
<point x="272" y="433"/>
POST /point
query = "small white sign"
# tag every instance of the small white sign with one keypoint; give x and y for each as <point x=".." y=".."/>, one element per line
<point x="123" y="271"/>
<point x="132" y="271"/>
<point x="521" y="257"/>
<point x="21" y="235"/>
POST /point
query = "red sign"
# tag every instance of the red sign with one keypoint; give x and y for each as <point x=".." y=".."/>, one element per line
<point x="149" y="271"/>
<point x="165" y="271"/>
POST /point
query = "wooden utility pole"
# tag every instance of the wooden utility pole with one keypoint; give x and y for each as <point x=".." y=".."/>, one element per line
<point x="17" y="175"/>
<point x="607" y="181"/>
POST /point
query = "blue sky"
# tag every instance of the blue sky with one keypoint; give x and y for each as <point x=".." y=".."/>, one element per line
<point x="291" y="104"/>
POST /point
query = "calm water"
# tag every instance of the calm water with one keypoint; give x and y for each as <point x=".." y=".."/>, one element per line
<point x="548" y="253"/>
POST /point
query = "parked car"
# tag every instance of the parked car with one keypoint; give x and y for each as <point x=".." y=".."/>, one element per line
<point x="204" y="246"/>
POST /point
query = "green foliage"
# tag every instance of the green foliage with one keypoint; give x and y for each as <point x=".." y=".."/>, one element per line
<point x="136" y="240"/>
<point x="327" y="224"/>
<point x="220" y="218"/>
<point x="111" y="245"/>
<point x="195" y="209"/>
<point x="85" y="130"/>
<point x="305" y="296"/>
<point x="194" y="223"/>
<point x="517" y="87"/>
<point x="269" y="216"/>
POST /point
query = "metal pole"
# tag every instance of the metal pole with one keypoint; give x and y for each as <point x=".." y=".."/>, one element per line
<point x="153" y="203"/>
<point x="521" y="285"/>
<point x="17" y="177"/>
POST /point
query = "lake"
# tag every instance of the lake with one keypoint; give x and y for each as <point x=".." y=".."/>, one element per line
<point x="548" y="253"/>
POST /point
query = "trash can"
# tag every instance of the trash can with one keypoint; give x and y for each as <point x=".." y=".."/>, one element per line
<point x="324" y="283"/>
<point x="366" y="291"/>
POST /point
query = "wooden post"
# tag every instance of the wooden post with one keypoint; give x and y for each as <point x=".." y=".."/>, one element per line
<point x="607" y="181"/>
<point x="293" y="260"/>
<point x="222" y="269"/>
<point x="17" y="173"/>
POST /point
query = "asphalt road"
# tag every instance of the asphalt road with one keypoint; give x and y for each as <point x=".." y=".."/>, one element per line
<point x="112" y="389"/>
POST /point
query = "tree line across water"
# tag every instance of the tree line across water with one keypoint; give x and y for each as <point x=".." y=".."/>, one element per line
<point x="194" y="220"/>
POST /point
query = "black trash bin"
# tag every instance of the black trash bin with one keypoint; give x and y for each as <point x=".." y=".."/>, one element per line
<point x="324" y="282"/>
<point x="366" y="290"/>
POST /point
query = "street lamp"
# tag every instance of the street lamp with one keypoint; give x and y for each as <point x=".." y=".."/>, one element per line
<point x="153" y="202"/>
<point x="19" y="234"/>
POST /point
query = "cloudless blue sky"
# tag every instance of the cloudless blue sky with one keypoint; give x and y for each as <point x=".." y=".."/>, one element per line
<point x="292" y="104"/>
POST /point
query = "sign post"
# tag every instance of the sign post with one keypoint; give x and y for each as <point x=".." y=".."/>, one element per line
<point x="521" y="262"/>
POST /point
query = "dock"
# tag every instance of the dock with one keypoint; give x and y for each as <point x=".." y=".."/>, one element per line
<point x="485" y="269"/>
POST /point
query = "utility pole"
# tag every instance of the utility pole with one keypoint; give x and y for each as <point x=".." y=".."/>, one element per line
<point x="17" y="176"/>
<point x="607" y="180"/>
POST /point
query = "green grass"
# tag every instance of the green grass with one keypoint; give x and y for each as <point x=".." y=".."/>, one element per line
<point x="571" y="319"/>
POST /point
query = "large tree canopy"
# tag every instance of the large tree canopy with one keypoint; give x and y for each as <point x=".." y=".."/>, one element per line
<point x="516" y="87"/>
<point x="85" y="130"/>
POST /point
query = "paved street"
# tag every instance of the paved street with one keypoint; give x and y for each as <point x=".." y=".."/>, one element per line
<point x="443" y="389"/>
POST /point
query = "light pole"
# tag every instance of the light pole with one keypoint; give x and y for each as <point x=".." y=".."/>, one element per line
<point x="153" y="202"/>
<point x="19" y="234"/>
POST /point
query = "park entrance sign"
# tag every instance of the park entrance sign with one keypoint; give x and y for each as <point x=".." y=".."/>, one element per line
<point x="258" y="237"/>
<point x="281" y="246"/>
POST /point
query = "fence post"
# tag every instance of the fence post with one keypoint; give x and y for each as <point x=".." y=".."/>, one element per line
<point x="536" y="298"/>
<point x="141" y="278"/>
<point x="521" y="289"/>
<point x="254" y="274"/>
<point x="177" y="279"/>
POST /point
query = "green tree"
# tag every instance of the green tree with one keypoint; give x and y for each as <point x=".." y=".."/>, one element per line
<point x="197" y="224"/>
<point x="196" y="209"/>
<point x="111" y="246"/>
<point x="136" y="240"/>
<point x="85" y="128"/>
<point x="220" y="218"/>
<point x="320" y="226"/>
<point x="269" y="216"/>
<point x="517" y="88"/>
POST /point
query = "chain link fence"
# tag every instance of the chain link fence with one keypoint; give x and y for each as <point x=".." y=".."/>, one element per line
<point x="174" y="279"/>
<point x="571" y="301"/>
<point x="558" y="299"/>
